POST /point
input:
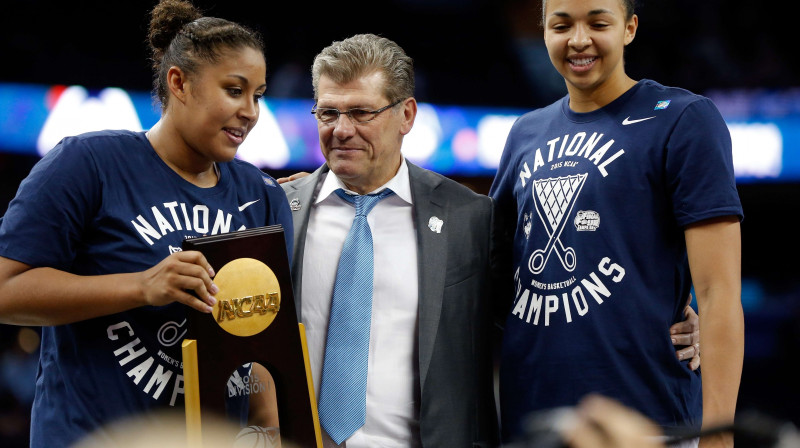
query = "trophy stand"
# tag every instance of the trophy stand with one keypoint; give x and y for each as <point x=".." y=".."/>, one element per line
<point x="254" y="320"/>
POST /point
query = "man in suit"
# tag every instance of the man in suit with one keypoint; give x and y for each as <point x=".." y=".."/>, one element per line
<point x="429" y="374"/>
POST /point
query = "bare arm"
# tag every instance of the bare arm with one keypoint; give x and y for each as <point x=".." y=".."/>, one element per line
<point x="714" y="248"/>
<point x="264" y="403"/>
<point x="46" y="296"/>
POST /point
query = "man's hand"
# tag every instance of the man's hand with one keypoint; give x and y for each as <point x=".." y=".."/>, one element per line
<point x="294" y="176"/>
<point x="687" y="333"/>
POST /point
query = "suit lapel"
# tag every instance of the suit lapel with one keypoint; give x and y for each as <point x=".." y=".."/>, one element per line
<point x="431" y="262"/>
<point x="300" y="195"/>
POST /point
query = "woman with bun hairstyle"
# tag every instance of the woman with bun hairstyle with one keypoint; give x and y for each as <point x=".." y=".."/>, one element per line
<point x="90" y="246"/>
<point x="615" y="201"/>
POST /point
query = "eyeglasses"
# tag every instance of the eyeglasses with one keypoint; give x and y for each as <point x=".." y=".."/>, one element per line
<point x="357" y="115"/>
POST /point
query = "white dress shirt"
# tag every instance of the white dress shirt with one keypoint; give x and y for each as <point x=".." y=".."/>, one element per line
<point x="393" y="373"/>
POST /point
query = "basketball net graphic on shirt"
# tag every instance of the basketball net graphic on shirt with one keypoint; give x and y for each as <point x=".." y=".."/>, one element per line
<point x="554" y="199"/>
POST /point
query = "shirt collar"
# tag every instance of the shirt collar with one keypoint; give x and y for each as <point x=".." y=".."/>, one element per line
<point x="400" y="184"/>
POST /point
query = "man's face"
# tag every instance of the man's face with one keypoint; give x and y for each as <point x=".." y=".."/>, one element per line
<point x="363" y="155"/>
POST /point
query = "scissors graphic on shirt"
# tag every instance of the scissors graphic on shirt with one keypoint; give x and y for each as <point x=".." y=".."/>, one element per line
<point x="564" y="191"/>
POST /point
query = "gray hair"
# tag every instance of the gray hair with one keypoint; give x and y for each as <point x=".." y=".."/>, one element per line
<point x="349" y="59"/>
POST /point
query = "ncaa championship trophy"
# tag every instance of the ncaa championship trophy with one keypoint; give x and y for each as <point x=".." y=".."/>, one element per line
<point x="253" y="323"/>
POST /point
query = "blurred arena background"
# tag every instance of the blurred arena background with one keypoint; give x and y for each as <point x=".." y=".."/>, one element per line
<point x="67" y="66"/>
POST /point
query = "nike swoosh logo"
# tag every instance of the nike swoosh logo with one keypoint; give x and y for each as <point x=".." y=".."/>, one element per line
<point x="247" y="204"/>
<point x="628" y="120"/>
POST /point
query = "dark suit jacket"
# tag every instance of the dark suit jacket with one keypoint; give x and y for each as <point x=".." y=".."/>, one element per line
<point x="457" y="406"/>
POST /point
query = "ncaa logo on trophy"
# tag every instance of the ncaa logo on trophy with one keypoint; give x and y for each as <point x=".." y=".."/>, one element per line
<point x="249" y="297"/>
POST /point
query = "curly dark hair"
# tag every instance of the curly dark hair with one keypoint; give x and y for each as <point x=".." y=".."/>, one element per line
<point x="181" y="36"/>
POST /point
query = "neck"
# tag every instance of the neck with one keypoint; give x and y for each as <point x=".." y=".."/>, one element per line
<point x="359" y="189"/>
<point x="178" y="155"/>
<point x="590" y="100"/>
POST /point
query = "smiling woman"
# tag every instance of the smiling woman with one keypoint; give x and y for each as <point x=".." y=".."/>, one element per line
<point x="90" y="246"/>
<point x="209" y="77"/>
<point x="210" y="114"/>
<point x="586" y="47"/>
<point x="598" y="295"/>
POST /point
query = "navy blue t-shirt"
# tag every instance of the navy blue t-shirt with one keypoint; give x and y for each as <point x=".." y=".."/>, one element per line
<point x="104" y="203"/>
<point x="599" y="202"/>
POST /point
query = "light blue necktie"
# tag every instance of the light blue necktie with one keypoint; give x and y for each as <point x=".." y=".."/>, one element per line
<point x="343" y="392"/>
